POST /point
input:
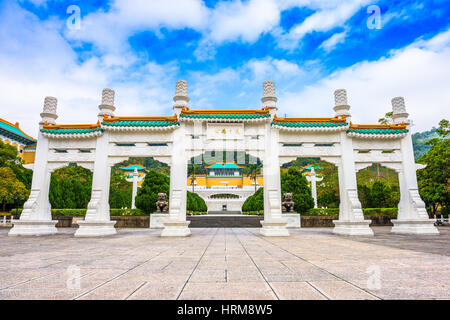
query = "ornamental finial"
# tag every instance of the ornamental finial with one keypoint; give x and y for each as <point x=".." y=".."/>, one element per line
<point x="269" y="99"/>
<point x="108" y="97"/>
<point x="107" y="107"/>
<point x="399" y="113"/>
<point x="341" y="106"/>
<point x="49" y="112"/>
<point x="181" y="96"/>
<point x="340" y="97"/>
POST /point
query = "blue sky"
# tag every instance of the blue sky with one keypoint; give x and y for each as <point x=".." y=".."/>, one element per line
<point x="225" y="50"/>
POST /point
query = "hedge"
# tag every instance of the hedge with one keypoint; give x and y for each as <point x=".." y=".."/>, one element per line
<point x="82" y="212"/>
<point x="335" y="211"/>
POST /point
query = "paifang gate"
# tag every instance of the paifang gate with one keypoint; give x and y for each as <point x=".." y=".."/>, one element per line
<point x="189" y="133"/>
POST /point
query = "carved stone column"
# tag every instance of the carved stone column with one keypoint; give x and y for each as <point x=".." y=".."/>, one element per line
<point x="176" y="224"/>
<point x="412" y="216"/>
<point x="274" y="224"/>
<point x="36" y="217"/>
<point x="97" y="221"/>
<point x="134" y="192"/>
<point x="351" y="218"/>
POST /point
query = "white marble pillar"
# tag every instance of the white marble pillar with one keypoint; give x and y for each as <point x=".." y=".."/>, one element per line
<point x="351" y="218"/>
<point x="313" y="178"/>
<point x="36" y="217"/>
<point x="412" y="216"/>
<point x="97" y="221"/>
<point x="134" y="192"/>
<point x="273" y="224"/>
<point x="176" y="225"/>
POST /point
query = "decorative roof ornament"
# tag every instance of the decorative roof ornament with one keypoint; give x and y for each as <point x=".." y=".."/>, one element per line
<point x="181" y="96"/>
<point x="226" y="115"/>
<point x="108" y="97"/>
<point x="399" y="114"/>
<point x="269" y="99"/>
<point x="310" y="124"/>
<point x="341" y="106"/>
<point x="49" y="113"/>
<point x="107" y="107"/>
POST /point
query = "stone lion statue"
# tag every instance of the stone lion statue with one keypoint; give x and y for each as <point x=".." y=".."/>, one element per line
<point x="287" y="205"/>
<point x="162" y="206"/>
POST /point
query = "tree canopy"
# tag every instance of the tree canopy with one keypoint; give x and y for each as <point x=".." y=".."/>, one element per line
<point x="293" y="181"/>
<point x="70" y="188"/>
<point x="10" y="187"/>
<point x="434" y="179"/>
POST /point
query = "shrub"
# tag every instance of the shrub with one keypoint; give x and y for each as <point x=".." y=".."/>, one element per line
<point x="82" y="212"/>
<point x="380" y="211"/>
<point x="255" y="202"/>
<point x="294" y="182"/>
<point x="70" y="187"/>
<point x="147" y="195"/>
<point x="195" y="203"/>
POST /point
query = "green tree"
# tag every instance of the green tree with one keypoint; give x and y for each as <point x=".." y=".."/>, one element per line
<point x="255" y="202"/>
<point x="195" y="203"/>
<point x="294" y="182"/>
<point x="9" y="157"/>
<point x="120" y="192"/>
<point x="147" y="195"/>
<point x="434" y="179"/>
<point x="8" y="154"/>
<point x="10" y="187"/>
<point x="70" y="188"/>
<point x="252" y="170"/>
<point x="387" y="118"/>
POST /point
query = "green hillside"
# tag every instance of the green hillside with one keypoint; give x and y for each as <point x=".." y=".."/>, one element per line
<point x="419" y="139"/>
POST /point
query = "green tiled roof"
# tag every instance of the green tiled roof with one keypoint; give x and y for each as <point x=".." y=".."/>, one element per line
<point x="132" y="167"/>
<point x="237" y="116"/>
<point x="377" y="131"/>
<point x="13" y="132"/>
<point x="140" y="123"/>
<point x="224" y="166"/>
<point x="70" y="131"/>
<point x="309" y="124"/>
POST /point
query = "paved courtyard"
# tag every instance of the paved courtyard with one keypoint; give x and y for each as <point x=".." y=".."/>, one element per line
<point x="230" y="263"/>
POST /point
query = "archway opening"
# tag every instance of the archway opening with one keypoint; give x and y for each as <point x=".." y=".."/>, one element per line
<point x="70" y="188"/>
<point x="378" y="190"/>
<point x="224" y="179"/>
<point x="325" y="193"/>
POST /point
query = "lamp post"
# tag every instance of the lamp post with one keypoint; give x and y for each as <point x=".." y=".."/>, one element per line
<point x="313" y="178"/>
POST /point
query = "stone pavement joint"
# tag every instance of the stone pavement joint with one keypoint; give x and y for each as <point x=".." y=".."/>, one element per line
<point x="225" y="264"/>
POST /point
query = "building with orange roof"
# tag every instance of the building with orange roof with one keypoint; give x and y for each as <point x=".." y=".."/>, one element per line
<point x="12" y="134"/>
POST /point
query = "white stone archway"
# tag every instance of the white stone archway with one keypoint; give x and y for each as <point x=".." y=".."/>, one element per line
<point x="189" y="133"/>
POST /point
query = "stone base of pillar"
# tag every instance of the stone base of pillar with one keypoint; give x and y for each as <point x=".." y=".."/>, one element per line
<point x="274" y="228"/>
<point x="422" y="226"/>
<point x="352" y="228"/>
<point x="293" y="220"/>
<point x="157" y="220"/>
<point x="33" y="227"/>
<point x="95" y="228"/>
<point x="176" y="228"/>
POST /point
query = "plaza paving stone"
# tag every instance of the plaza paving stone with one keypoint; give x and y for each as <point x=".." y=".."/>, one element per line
<point x="225" y="263"/>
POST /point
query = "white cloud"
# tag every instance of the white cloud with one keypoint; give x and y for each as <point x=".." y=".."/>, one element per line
<point x="418" y="72"/>
<point x="244" y="20"/>
<point x="331" y="43"/>
<point x="36" y="61"/>
<point x="329" y="16"/>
